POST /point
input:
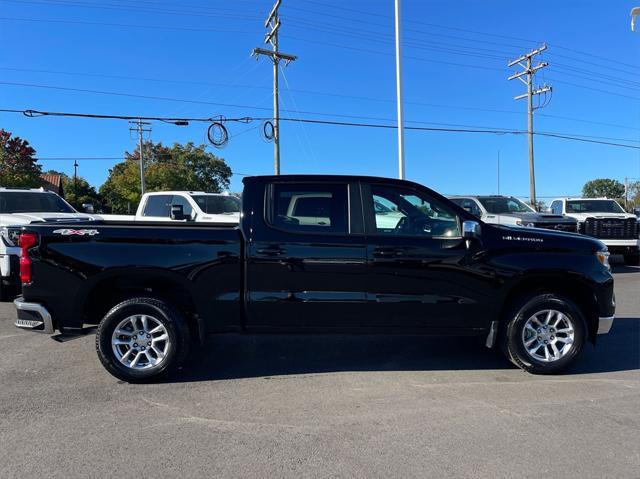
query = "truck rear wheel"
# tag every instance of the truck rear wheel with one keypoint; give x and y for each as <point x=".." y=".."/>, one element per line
<point x="544" y="334"/>
<point x="142" y="340"/>
<point x="632" y="259"/>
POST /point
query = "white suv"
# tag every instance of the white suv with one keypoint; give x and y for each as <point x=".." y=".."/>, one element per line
<point x="21" y="206"/>
<point x="605" y="219"/>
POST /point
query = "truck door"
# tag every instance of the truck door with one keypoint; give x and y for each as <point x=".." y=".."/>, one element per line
<point x="419" y="267"/>
<point x="306" y="258"/>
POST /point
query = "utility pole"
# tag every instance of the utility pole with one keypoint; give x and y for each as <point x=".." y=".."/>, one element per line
<point x="626" y="193"/>
<point x="399" y="94"/>
<point x="525" y="61"/>
<point x="273" y="24"/>
<point x="75" y="182"/>
<point x="139" y="128"/>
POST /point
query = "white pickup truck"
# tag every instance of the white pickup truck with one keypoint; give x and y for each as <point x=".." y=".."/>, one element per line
<point x="605" y="219"/>
<point x="184" y="206"/>
<point x="22" y="206"/>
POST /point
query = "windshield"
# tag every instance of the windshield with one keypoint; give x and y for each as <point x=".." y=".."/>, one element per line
<point x="593" y="206"/>
<point x="498" y="205"/>
<point x="28" y="202"/>
<point x="217" y="205"/>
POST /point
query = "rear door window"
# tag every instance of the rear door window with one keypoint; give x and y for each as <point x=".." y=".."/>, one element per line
<point x="158" y="206"/>
<point x="310" y="208"/>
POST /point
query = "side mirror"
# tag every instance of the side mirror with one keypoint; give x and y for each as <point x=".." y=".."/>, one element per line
<point x="88" y="208"/>
<point x="470" y="229"/>
<point x="177" y="212"/>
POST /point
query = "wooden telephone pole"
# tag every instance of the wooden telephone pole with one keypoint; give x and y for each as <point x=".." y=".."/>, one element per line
<point x="525" y="61"/>
<point x="273" y="24"/>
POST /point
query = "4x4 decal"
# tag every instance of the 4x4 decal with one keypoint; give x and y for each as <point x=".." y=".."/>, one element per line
<point x="72" y="232"/>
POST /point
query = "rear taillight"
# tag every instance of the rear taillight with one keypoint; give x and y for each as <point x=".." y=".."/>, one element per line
<point x="26" y="242"/>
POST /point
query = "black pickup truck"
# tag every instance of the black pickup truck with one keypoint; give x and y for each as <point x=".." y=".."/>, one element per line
<point x="316" y="254"/>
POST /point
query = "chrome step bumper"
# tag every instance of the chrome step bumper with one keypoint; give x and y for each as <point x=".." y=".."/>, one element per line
<point x="33" y="316"/>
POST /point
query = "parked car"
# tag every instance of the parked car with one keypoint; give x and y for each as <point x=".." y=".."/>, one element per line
<point x="509" y="210"/>
<point x="21" y="206"/>
<point x="605" y="219"/>
<point x="195" y="206"/>
<point x="439" y="270"/>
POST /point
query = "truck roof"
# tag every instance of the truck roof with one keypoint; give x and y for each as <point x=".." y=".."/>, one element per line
<point x="586" y="199"/>
<point x="176" y="192"/>
<point x="329" y="178"/>
<point x="20" y="188"/>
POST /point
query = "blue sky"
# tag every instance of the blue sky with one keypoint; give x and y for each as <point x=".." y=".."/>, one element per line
<point x="455" y="73"/>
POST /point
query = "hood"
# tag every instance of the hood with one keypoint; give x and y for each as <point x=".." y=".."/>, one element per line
<point x="544" y="239"/>
<point x="618" y="216"/>
<point x="541" y="217"/>
<point x="511" y="218"/>
<point x="26" y="218"/>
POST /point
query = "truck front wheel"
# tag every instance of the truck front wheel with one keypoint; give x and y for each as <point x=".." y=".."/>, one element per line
<point x="142" y="340"/>
<point x="544" y="334"/>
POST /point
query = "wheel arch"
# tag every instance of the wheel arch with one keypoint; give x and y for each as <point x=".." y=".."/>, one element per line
<point x="113" y="287"/>
<point x="573" y="288"/>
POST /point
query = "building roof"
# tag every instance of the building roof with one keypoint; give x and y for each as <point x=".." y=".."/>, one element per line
<point x="52" y="182"/>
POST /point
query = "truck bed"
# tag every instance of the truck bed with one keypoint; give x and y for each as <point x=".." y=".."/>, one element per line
<point x="77" y="267"/>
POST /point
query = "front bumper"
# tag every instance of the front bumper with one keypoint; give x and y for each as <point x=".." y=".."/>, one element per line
<point x="622" y="246"/>
<point x="604" y="324"/>
<point x="33" y="316"/>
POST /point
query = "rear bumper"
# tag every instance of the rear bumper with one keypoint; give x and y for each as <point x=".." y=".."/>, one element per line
<point x="604" y="324"/>
<point x="33" y="316"/>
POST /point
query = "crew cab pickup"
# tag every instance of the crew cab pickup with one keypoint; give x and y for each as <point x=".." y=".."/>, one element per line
<point x="336" y="265"/>
<point x="605" y="219"/>
<point x="509" y="210"/>
<point x="196" y="206"/>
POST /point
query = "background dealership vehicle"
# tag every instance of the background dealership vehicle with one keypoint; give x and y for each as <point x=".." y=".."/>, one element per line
<point x="21" y="206"/>
<point x="606" y="220"/>
<point x="508" y="210"/>
<point x="438" y="270"/>
<point x="184" y="206"/>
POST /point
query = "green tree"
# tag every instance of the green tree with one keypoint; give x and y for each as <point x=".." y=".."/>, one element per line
<point x="603" y="187"/>
<point x="18" y="167"/>
<point x="85" y="192"/>
<point x="634" y="195"/>
<point x="179" y="167"/>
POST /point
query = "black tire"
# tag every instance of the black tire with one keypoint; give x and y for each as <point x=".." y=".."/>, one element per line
<point x="512" y="337"/>
<point x="172" y="321"/>
<point x="632" y="259"/>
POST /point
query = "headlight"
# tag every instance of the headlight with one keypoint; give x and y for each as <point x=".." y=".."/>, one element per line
<point x="10" y="236"/>
<point x="603" y="257"/>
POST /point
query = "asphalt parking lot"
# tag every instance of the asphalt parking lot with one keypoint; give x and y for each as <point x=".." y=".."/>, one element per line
<point x="291" y="406"/>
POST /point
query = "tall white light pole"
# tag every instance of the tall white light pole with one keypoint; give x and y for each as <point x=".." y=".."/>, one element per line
<point x="399" y="95"/>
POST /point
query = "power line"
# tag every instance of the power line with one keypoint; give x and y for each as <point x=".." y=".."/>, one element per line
<point x="313" y="92"/>
<point x="104" y="6"/>
<point x="479" y="130"/>
<point x="477" y="32"/>
<point x="127" y="25"/>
